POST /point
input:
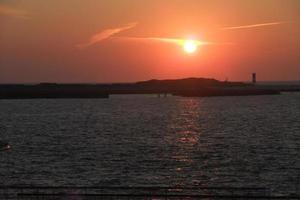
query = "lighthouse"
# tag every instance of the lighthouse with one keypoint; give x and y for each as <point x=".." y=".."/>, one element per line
<point x="253" y="78"/>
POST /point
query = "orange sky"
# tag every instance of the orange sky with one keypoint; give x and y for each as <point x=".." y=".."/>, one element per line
<point x="108" y="40"/>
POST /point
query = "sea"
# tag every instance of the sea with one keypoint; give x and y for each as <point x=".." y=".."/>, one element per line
<point x="143" y="140"/>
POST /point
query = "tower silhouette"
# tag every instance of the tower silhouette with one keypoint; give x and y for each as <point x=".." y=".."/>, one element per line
<point x="253" y="78"/>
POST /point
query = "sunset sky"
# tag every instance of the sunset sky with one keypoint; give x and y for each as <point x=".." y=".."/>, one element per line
<point x="130" y="40"/>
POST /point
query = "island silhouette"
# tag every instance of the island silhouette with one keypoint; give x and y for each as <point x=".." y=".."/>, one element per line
<point x="187" y="87"/>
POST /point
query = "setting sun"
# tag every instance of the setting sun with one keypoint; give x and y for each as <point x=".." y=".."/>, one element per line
<point x="190" y="46"/>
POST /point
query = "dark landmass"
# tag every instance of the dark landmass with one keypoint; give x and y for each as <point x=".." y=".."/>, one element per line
<point x="180" y="87"/>
<point x="51" y="91"/>
<point x="210" y="92"/>
<point x="281" y="87"/>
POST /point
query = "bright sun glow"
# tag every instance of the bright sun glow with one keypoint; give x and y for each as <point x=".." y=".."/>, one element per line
<point x="190" y="46"/>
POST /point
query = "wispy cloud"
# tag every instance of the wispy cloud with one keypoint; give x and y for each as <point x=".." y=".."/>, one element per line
<point x="13" y="12"/>
<point x="105" y="34"/>
<point x="177" y="41"/>
<point x="254" y="25"/>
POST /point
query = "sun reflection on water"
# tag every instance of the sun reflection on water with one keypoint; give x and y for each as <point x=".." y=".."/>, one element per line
<point x="185" y="132"/>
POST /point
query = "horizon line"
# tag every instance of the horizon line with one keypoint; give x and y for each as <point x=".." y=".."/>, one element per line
<point x="128" y="82"/>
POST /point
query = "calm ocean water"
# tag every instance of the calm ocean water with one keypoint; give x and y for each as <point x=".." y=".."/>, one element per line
<point x="142" y="140"/>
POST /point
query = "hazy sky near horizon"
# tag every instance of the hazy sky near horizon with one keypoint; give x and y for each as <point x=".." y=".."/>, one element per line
<point x="109" y="40"/>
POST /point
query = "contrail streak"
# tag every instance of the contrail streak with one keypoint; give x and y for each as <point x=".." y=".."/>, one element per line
<point x="13" y="12"/>
<point x="254" y="25"/>
<point x="105" y="34"/>
<point x="172" y="40"/>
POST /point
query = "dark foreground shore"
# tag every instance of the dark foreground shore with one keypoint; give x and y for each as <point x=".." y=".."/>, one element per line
<point x="190" y="87"/>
